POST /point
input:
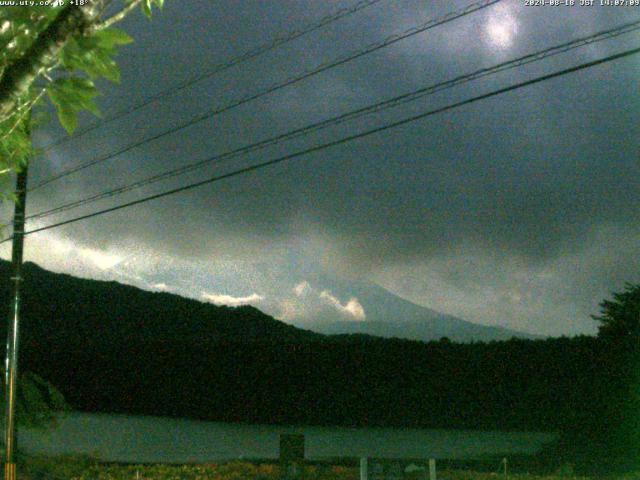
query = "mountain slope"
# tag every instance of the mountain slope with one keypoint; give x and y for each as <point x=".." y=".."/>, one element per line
<point x="297" y="289"/>
<point x="65" y="310"/>
<point x="387" y="315"/>
<point x="422" y="331"/>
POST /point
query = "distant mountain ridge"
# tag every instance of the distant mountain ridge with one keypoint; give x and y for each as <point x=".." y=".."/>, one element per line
<point x="420" y="330"/>
<point x="390" y="316"/>
<point x="298" y="289"/>
<point x="116" y="311"/>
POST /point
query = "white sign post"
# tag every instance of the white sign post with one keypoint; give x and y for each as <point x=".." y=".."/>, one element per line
<point x="364" y="470"/>
<point x="432" y="469"/>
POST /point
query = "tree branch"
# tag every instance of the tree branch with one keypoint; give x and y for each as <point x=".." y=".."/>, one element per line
<point x="19" y="75"/>
<point x="24" y="110"/>
<point x="118" y="16"/>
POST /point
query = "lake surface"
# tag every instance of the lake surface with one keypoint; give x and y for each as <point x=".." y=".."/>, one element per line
<point x="143" y="439"/>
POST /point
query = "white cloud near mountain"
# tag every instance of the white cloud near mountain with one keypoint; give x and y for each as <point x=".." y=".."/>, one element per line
<point x="230" y="300"/>
<point x="309" y="301"/>
<point x="352" y="307"/>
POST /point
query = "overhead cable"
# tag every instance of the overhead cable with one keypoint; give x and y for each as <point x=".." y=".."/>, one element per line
<point x="478" y="5"/>
<point x="340" y="141"/>
<point x="221" y="67"/>
<point x="376" y="107"/>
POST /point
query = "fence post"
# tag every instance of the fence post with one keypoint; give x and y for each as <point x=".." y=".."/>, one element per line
<point x="292" y="455"/>
<point x="432" y="469"/>
<point x="364" y="468"/>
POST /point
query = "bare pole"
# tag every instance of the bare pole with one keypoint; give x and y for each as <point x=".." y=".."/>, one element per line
<point x="11" y="360"/>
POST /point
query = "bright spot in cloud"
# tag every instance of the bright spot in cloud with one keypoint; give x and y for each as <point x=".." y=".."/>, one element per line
<point x="163" y="287"/>
<point x="102" y="260"/>
<point x="301" y="288"/>
<point x="501" y="28"/>
<point x="352" y="307"/>
<point x="230" y="300"/>
<point x="60" y="247"/>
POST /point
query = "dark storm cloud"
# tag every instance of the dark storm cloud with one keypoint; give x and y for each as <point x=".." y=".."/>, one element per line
<point x="533" y="175"/>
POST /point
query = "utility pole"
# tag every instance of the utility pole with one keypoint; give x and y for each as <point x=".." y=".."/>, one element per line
<point x="11" y="361"/>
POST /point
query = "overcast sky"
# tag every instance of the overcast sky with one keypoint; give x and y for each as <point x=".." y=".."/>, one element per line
<point x="520" y="210"/>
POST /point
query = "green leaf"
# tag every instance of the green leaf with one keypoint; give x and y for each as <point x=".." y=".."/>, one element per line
<point x="94" y="55"/>
<point x="71" y="95"/>
<point x="99" y="64"/>
<point x="109" y="69"/>
<point x="68" y="118"/>
<point x="111" y="37"/>
<point x="146" y="7"/>
<point x="89" y="56"/>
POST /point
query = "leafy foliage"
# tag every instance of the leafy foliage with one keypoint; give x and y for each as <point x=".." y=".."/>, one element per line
<point x="70" y="95"/>
<point x="147" y="4"/>
<point x="95" y="55"/>
<point x="38" y="402"/>
<point x="620" y="317"/>
<point x="66" y="80"/>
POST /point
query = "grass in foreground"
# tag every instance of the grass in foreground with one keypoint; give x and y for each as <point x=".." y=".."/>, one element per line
<point x="78" y="468"/>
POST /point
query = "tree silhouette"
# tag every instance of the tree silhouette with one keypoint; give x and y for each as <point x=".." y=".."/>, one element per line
<point x="620" y="317"/>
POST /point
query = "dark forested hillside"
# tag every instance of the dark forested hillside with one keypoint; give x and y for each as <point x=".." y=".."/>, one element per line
<point x="64" y="310"/>
<point x="114" y="348"/>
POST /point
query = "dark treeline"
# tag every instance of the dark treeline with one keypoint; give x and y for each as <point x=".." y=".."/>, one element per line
<point x="519" y="384"/>
<point x="114" y="348"/>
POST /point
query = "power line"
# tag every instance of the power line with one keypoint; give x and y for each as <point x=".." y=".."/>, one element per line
<point x="340" y="141"/>
<point x="478" y="5"/>
<point x="249" y="55"/>
<point x="393" y="102"/>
